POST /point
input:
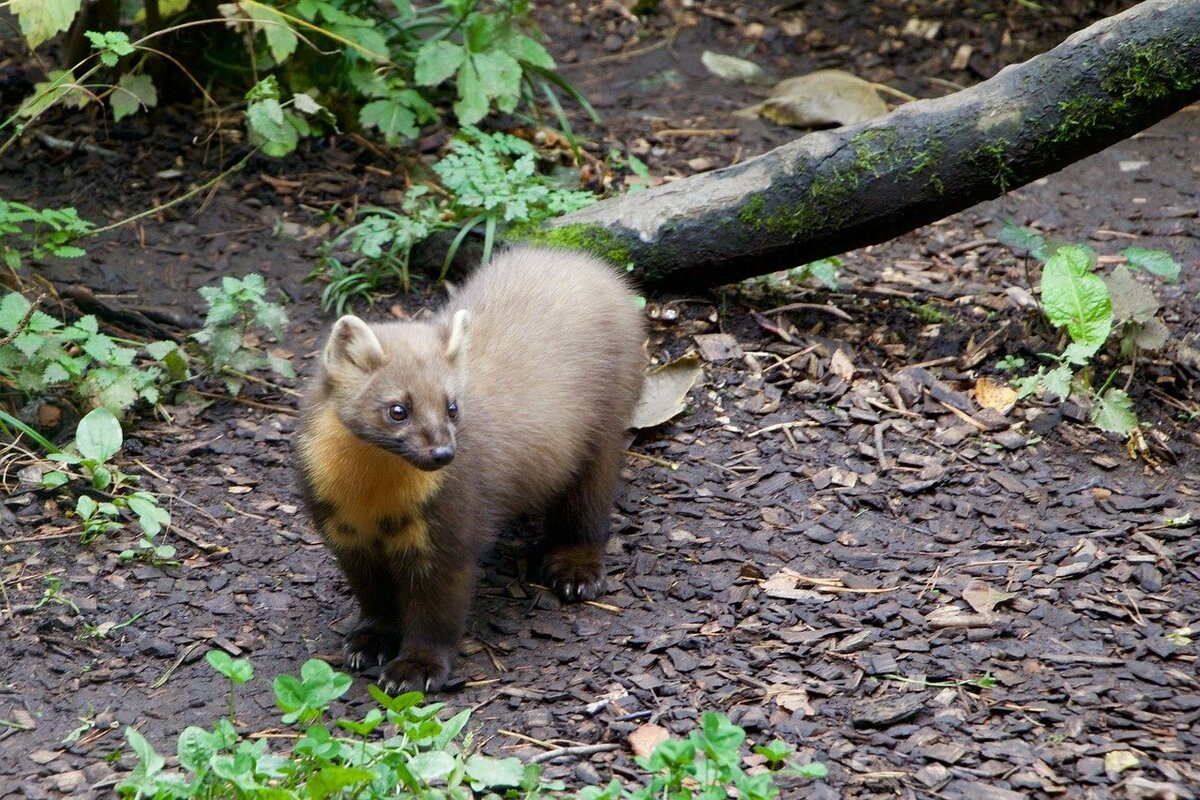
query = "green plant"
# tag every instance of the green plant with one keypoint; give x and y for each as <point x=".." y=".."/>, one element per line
<point x="53" y="594"/>
<point x="26" y="232"/>
<point x="489" y="180"/>
<point x="98" y="438"/>
<point x="42" y="356"/>
<point x="404" y="748"/>
<point x="492" y="180"/>
<point x="1091" y="309"/>
<point x="227" y="340"/>
<point x="705" y="766"/>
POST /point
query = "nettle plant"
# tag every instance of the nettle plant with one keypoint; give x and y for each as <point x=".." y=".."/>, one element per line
<point x="229" y="339"/>
<point x="45" y="356"/>
<point x="1092" y="309"/>
<point x="489" y="180"/>
<point x="406" y="748"/>
<point x="98" y="438"/>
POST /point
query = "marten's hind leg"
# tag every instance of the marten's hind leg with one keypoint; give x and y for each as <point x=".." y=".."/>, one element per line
<point x="577" y="527"/>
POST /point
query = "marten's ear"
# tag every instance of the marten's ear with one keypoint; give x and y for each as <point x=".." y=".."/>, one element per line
<point x="352" y="345"/>
<point x="456" y="339"/>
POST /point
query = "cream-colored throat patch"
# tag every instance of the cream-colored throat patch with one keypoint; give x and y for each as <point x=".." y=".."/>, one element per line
<point x="377" y="497"/>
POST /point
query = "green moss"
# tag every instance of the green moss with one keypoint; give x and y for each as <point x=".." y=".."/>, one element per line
<point x="876" y="152"/>
<point x="1143" y="74"/>
<point x="594" y="239"/>
<point x="993" y="158"/>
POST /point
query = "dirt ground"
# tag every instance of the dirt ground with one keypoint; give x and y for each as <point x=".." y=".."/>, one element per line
<point x="798" y="550"/>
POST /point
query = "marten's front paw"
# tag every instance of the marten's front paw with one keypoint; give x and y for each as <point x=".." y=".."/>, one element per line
<point x="417" y="669"/>
<point x="575" y="573"/>
<point x="369" y="644"/>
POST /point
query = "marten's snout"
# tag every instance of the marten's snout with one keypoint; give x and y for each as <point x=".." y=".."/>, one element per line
<point x="441" y="456"/>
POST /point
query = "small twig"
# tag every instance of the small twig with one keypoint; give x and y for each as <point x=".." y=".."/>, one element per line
<point x="683" y="132"/>
<point x="660" y="462"/>
<point x="578" y="750"/>
<point x="21" y="323"/>
<point x="171" y="669"/>
<point x="800" y="423"/>
<point x="55" y="143"/>
<point x="823" y="307"/>
<point x="246" y="401"/>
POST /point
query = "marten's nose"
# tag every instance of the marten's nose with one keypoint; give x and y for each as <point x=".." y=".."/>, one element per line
<point x="442" y="455"/>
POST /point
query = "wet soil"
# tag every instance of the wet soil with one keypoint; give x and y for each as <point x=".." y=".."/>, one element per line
<point x="804" y="549"/>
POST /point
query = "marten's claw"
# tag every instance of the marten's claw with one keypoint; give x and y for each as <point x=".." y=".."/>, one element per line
<point x="369" y="644"/>
<point x="417" y="670"/>
<point x="575" y="573"/>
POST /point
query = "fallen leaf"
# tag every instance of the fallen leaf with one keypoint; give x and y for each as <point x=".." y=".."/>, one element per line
<point x="820" y="99"/>
<point x="982" y="597"/>
<point x="995" y="395"/>
<point x="738" y="70"/>
<point x="665" y="391"/>
<point x="841" y="365"/>
<point x="646" y="738"/>
<point x="793" y="699"/>
<point x="1117" y="761"/>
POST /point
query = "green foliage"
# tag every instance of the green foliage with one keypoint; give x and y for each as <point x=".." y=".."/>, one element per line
<point x="385" y="66"/>
<point x="705" y="766"/>
<point x="27" y="232"/>
<point x="235" y="309"/>
<point x="825" y="271"/>
<point x="404" y="748"/>
<point x="98" y="439"/>
<point x="490" y="180"/>
<point x="46" y="357"/>
<point x="1091" y="308"/>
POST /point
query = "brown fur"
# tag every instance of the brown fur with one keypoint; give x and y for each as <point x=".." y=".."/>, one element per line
<point x="544" y="366"/>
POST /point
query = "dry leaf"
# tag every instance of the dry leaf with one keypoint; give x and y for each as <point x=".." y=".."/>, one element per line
<point x="738" y="70"/>
<point x="665" y="391"/>
<point x="841" y="365"/>
<point x="995" y="395"/>
<point x="1117" y="761"/>
<point x="792" y="698"/>
<point x="820" y="99"/>
<point x="982" y="597"/>
<point x="646" y="738"/>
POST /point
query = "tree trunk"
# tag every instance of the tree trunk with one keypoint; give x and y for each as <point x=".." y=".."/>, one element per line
<point x="833" y="191"/>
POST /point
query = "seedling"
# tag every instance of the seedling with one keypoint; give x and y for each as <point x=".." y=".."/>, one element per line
<point x="236" y="310"/>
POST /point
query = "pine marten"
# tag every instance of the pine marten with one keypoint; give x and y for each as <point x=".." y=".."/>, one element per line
<point x="421" y="439"/>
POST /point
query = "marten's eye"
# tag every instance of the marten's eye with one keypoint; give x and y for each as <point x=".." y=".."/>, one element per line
<point x="397" y="412"/>
<point x="452" y="409"/>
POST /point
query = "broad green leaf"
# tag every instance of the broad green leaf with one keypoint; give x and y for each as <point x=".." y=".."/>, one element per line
<point x="1113" y="412"/>
<point x="98" y="435"/>
<point x="1156" y="262"/>
<point x="432" y="766"/>
<point x="436" y="61"/>
<point x="501" y="77"/>
<point x="221" y="661"/>
<point x="394" y="120"/>
<point x="42" y="19"/>
<point x="329" y="781"/>
<point x="281" y="39"/>
<point x="59" y="87"/>
<point x="85" y="507"/>
<point x="152" y="517"/>
<point x="150" y="763"/>
<point x="826" y="271"/>
<point x="133" y="92"/>
<point x="487" y="772"/>
<point x="527" y="50"/>
<point x="194" y="748"/>
<point x="1076" y="298"/>
<point x="1022" y="239"/>
<point x="472" y="103"/>
<point x="1058" y="381"/>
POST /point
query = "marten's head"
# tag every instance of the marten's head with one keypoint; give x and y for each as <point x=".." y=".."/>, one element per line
<point x="398" y="385"/>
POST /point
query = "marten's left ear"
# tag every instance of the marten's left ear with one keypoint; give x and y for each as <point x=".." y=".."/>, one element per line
<point x="456" y="338"/>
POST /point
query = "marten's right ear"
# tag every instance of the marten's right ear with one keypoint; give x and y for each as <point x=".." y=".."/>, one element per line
<point x="352" y="345"/>
<point x="456" y="338"/>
